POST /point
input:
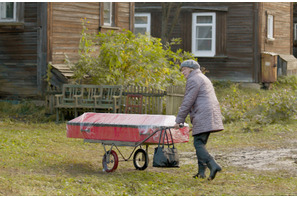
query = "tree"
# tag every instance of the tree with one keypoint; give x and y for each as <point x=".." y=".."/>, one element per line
<point x="167" y="8"/>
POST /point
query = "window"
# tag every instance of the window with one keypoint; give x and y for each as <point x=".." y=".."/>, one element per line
<point x="7" y="11"/>
<point x="270" y="27"/>
<point x="204" y="34"/>
<point x="108" y="12"/>
<point x="295" y="31"/>
<point x="142" y="23"/>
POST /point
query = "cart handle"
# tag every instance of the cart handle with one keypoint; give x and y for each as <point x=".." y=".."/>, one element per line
<point x="161" y="129"/>
<point x="172" y="127"/>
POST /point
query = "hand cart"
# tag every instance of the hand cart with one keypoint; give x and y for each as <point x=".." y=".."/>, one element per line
<point x="134" y="130"/>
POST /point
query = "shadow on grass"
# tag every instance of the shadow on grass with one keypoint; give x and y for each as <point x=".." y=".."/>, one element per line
<point x="76" y="169"/>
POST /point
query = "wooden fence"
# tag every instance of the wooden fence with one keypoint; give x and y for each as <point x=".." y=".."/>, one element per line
<point x="50" y="100"/>
<point x="152" y="99"/>
<point x="174" y="98"/>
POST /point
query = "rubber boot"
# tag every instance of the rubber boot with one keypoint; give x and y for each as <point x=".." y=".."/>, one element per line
<point x="214" y="168"/>
<point x="201" y="172"/>
<point x="203" y="156"/>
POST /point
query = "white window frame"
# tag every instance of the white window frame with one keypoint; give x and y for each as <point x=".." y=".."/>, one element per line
<point x="204" y="53"/>
<point x="270" y="28"/>
<point x="146" y="26"/>
<point x="295" y="31"/>
<point x="3" y="10"/>
<point x="110" y="15"/>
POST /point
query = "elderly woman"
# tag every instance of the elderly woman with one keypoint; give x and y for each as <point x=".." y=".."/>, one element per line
<point x="201" y="102"/>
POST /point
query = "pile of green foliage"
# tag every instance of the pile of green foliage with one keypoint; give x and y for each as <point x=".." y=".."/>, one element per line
<point x="259" y="106"/>
<point x="127" y="59"/>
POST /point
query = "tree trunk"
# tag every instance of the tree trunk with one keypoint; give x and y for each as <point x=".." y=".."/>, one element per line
<point x="166" y="10"/>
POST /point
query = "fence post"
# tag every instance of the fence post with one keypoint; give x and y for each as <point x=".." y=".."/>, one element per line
<point x="174" y="98"/>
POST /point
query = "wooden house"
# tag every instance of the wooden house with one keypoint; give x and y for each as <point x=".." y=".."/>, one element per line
<point x="295" y="29"/>
<point x="236" y="41"/>
<point x="34" y="34"/>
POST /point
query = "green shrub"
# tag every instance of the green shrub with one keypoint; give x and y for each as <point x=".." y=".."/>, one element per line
<point x="289" y="82"/>
<point x="259" y="106"/>
<point x="126" y="59"/>
<point x="233" y="104"/>
<point x="279" y="106"/>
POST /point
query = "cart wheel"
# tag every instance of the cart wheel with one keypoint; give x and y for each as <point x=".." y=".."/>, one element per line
<point x="140" y="159"/>
<point x="111" y="164"/>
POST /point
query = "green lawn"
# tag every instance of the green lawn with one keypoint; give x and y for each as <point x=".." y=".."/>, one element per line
<point x="38" y="159"/>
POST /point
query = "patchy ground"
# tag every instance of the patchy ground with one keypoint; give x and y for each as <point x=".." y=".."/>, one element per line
<point x="279" y="159"/>
<point x="264" y="159"/>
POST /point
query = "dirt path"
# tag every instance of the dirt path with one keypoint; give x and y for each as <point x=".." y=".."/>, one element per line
<point x="280" y="159"/>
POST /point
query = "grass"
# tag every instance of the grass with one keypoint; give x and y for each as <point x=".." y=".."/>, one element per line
<point x="36" y="158"/>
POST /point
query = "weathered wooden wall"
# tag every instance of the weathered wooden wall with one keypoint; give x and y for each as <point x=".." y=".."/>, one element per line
<point x="282" y="12"/>
<point x="235" y="36"/>
<point x="236" y="61"/>
<point x="294" y="21"/>
<point x="239" y="27"/>
<point x="50" y="31"/>
<point x="18" y="56"/>
<point x="65" y="25"/>
<point x="125" y="15"/>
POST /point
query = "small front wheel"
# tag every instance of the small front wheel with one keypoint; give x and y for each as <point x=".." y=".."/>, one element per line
<point x="140" y="159"/>
<point x="110" y="161"/>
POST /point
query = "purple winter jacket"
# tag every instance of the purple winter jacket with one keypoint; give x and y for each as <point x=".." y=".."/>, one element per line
<point x="201" y="102"/>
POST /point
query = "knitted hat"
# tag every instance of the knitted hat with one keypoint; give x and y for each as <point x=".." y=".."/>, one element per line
<point x="190" y="63"/>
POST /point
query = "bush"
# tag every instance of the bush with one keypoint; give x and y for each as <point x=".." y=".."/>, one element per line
<point x="126" y="59"/>
<point x="279" y="106"/>
<point x="289" y="82"/>
<point x="260" y="106"/>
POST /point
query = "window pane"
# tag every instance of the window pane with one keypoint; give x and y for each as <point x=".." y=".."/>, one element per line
<point x="107" y="12"/>
<point x="203" y="31"/>
<point x="204" y="34"/>
<point x="141" y="20"/>
<point x="107" y="6"/>
<point x="203" y="45"/>
<point x="6" y="10"/>
<point x="140" y="30"/>
<point x="9" y="10"/>
<point x="295" y="31"/>
<point x="204" y="19"/>
<point x="270" y="26"/>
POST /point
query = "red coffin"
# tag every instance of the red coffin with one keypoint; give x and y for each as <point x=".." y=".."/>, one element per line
<point x="124" y="127"/>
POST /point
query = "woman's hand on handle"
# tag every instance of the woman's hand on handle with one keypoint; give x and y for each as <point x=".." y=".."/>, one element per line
<point x="178" y="126"/>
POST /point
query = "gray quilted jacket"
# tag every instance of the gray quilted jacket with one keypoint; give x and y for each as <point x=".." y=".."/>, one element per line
<point x="201" y="102"/>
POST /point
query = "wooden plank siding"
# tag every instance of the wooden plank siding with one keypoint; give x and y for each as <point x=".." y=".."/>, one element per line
<point x="66" y="26"/>
<point x="294" y="21"/>
<point x="234" y="59"/>
<point x="18" y="56"/>
<point x="234" y="50"/>
<point x="46" y="32"/>
<point x="282" y="13"/>
<point x="240" y="35"/>
<point x="124" y="10"/>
